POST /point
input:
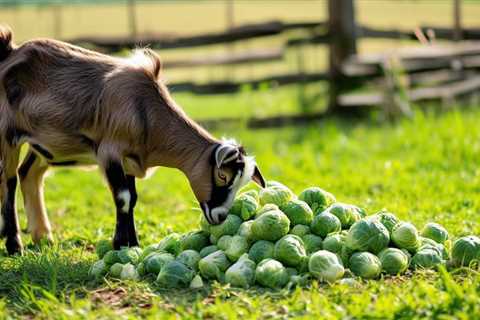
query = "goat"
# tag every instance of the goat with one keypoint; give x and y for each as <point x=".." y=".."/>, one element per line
<point x="73" y="106"/>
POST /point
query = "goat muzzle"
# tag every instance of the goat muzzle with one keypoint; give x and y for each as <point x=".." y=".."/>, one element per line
<point x="214" y="216"/>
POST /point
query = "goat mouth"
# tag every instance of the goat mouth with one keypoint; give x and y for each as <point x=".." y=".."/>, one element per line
<point x="214" y="216"/>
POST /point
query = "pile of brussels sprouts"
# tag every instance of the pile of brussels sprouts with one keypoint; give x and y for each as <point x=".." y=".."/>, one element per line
<point x="273" y="238"/>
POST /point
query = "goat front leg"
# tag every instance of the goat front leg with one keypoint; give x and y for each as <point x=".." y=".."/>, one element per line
<point x="9" y="226"/>
<point x="124" y="194"/>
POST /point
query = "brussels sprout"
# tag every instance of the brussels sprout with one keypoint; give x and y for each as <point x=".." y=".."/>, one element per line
<point x="318" y="199"/>
<point x="245" y="230"/>
<point x="266" y="208"/>
<point x="346" y="213"/>
<point x="278" y="195"/>
<point x="228" y="227"/>
<point x="237" y="247"/>
<point x="325" y="266"/>
<point x="261" y="250"/>
<point x="129" y="272"/>
<point x="367" y="235"/>
<point x="213" y="239"/>
<point x="435" y="232"/>
<point x="196" y="282"/>
<point x="365" y="265"/>
<point x="148" y="250"/>
<point x="389" y="220"/>
<point x="141" y="269"/>
<point x="312" y="243"/>
<point x="196" y="240"/>
<point x="426" y="258"/>
<point x="172" y="243"/>
<point x="189" y="258"/>
<point x="252" y="193"/>
<point x="111" y="257"/>
<point x="155" y="261"/>
<point x="98" y="269"/>
<point x="224" y="242"/>
<point x="273" y="183"/>
<point x="298" y="212"/>
<point x="271" y="273"/>
<point x="394" y="261"/>
<point x="204" y="224"/>
<point x="345" y="254"/>
<point x="334" y="242"/>
<point x="116" y="270"/>
<point x="241" y="273"/>
<point x="271" y="225"/>
<point x="405" y="236"/>
<point x="290" y="250"/>
<point x="214" y="265"/>
<point x="291" y="271"/>
<point x="102" y="247"/>
<point x="466" y="250"/>
<point x="325" y="223"/>
<point x="432" y="244"/>
<point x="207" y="250"/>
<point x="130" y="255"/>
<point x="244" y="206"/>
<point x="300" y="230"/>
<point x="175" y="274"/>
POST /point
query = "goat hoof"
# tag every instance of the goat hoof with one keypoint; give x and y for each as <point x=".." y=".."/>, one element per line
<point x="14" y="245"/>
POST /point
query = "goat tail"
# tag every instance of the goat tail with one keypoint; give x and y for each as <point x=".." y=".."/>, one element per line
<point x="5" y="42"/>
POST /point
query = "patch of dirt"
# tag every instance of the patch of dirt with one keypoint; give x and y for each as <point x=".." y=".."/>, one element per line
<point x="120" y="299"/>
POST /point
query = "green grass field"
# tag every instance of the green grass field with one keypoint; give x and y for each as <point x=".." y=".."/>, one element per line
<point x="425" y="169"/>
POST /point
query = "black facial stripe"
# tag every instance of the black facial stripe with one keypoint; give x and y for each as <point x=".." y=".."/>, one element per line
<point x="44" y="152"/>
<point x="26" y="165"/>
<point x="64" y="163"/>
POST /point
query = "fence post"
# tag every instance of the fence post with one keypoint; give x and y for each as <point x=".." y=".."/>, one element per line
<point x="457" y="20"/>
<point x="132" y="18"/>
<point x="342" y="34"/>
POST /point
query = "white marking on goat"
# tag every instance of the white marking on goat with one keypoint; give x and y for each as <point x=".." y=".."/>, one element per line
<point x="125" y="197"/>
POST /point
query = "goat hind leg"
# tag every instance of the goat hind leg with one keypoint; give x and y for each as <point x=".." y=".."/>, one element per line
<point x="31" y="174"/>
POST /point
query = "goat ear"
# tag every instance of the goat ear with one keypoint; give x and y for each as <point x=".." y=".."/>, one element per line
<point x="258" y="178"/>
<point x="226" y="153"/>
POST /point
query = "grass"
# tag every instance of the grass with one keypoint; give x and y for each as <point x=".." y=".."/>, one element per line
<point x="425" y="169"/>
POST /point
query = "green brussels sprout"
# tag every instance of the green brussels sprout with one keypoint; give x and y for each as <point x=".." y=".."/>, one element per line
<point x="214" y="265"/>
<point x="224" y="242"/>
<point x="129" y="255"/>
<point x="278" y="195"/>
<point x="241" y="273"/>
<point x="291" y="271"/>
<point x="148" y="250"/>
<point x="300" y="230"/>
<point x="273" y="183"/>
<point x="204" y="224"/>
<point x="175" y="274"/>
<point x="141" y="269"/>
<point x="466" y="250"/>
<point x="196" y="282"/>
<point x="365" y="265"/>
<point x="345" y="254"/>
<point x="325" y="223"/>
<point x="172" y="243"/>
<point x="237" y="247"/>
<point x="325" y="266"/>
<point x="334" y="242"/>
<point x="213" y="239"/>
<point x="129" y="272"/>
<point x="388" y="219"/>
<point x="394" y="261"/>
<point x="298" y="212"/>
<point x="271" y="225"/>
<point x="435" y="232"/>
<point x="245" y="230"/>
<point x="261" y="250"/>
<point x="405" y="236"/>
<point x="252" y="193"/>
<point x="312" y="243"/>
<point x="111" y="257"/>
<point x="116" y="270"/>
<point x="98" y="270"/>
<point x="155" y="261"/>
<point x="367" y="235"/>
<point x="426" y="258"/>
<point x="228" y="227"/>
<point x="432" y="244"/>
<point x="290" y="250"/>
<point x="102" y="247"/>
<point x="196" y="240"/>
<point x="318" y="199"/>
<point x="271" y="273"/>
<point x="347" y="214"/>
<point x="244" y="206"/>
<point x="190" y="258"/>
<point x="266" y="208"/>
<point x="207" y="250"/>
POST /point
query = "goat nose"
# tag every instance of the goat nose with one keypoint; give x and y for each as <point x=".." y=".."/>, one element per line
<point x="219" y="215"/>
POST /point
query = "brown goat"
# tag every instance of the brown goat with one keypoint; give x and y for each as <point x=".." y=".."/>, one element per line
<point x="78" y="107"/>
